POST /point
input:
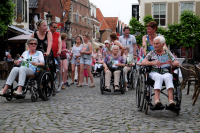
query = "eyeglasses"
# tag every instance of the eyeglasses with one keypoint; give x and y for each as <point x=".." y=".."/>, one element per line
<point x="55" y="27"/>
<point x="33" y="43"/>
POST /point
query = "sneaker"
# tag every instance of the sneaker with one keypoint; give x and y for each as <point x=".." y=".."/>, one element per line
<point x="92" y="85"/>
<point x="72" y="84"/>
<point x="17" y="93"/>
<point x="116" y="87"/>
<point x="80" y="85"/>
<point x="76" y="83"/>
<point x="171" y="103"/>
<point x="126" y="89"/>
<point x="157" y="103"/>
<point x="66" y="83"/>
<point x="62" y="87"/>
<point x="107" y="88"/>
<point x="1" y="93"/>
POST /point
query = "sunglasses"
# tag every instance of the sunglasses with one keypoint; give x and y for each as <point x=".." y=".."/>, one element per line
<point x="55" y="27"/>
<point x="33" y="43"/>
<point x="106" y="43"/>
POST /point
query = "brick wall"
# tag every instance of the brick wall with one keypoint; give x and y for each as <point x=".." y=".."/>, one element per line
<point x="54" y="6"/>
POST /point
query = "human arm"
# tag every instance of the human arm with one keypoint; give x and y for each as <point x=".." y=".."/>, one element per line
<point x="59" y="45"/>
<point x="49" y="40"/>
<point x="144" y="44"/>
<point x="40" y="60"/>
<point x="105" y="67"/>
<point x="120" y="47"/>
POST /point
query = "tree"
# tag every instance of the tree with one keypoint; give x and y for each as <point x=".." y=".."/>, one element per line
<point x="189" y="30"/>
<point x="6" y="15"/>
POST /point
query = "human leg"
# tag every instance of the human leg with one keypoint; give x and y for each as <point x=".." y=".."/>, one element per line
<point x="88" y="67"/>
<point x="81" y="75"/>
<point x="116" y="78"/>
<point x="73" y="72"/>
<point x="107" y="79"/>
<point x="78" y="71"/>
<point x="65" y="66"/>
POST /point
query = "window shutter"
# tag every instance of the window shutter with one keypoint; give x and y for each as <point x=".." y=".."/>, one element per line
<point x="169" y="13"/>
<point x="148" y="9"/>
<point x="176" y="9"/>
<point x="197" y="8"/>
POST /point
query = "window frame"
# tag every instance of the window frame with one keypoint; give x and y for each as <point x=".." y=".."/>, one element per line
<point x="193" y="2"/>
<point x="164" y="26"/>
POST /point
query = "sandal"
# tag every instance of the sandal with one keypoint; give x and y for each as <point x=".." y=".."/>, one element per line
<point x="158" y="103"/>
<point x="116" y="87"/>
<point x="71" y="83"/>
<point x="172" y="103"/>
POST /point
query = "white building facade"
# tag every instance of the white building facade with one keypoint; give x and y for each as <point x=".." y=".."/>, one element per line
<point x="167" y="11"/>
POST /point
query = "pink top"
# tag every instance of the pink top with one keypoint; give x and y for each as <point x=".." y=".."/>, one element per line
<point x="119" y="53"/>
<point x="63" y="47"/>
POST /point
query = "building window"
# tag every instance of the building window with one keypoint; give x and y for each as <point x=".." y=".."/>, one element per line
<point x="88" y="21"/>
<point x="159" y="14"/>
<point x="186" y="6"/>
<point x="57" y="19"/>
<point x="76" y="17"/>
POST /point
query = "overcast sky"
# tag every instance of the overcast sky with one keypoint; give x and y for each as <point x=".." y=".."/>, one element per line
<point x="116" y="8"/>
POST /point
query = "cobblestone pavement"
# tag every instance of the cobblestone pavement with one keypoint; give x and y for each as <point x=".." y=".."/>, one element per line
<point x="85" y="110"/>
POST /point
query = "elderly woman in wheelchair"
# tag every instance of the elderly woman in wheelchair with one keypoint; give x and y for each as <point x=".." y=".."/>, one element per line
<point x="28" y="63"/>
<point x="112" y="63"/>
<point x="161" y="60"/>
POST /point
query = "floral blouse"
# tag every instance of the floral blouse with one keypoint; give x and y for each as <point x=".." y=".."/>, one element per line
<point x="110" y="58"/>
<point x="152" y="56"/>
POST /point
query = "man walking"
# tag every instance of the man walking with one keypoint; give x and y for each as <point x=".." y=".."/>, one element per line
<point x="57" y="44"/>
<point x="130" y="41"/>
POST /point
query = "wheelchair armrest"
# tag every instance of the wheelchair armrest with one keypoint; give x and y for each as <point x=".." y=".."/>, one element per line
<point x="148" y="68"/>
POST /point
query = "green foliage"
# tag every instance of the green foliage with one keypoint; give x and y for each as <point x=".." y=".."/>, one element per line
<point x="6" y="15"/>
<point x="147" y="19"/>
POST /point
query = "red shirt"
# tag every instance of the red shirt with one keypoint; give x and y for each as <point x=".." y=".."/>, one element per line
<point x="55" y="36"/>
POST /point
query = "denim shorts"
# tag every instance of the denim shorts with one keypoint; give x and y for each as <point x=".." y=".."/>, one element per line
<point x="74" y="61"/>
<point x="86" y="61"/>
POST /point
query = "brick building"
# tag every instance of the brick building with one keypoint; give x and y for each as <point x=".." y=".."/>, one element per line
<point x="80" y="18"/>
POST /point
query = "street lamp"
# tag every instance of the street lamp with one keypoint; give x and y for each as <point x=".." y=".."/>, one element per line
<point x="49" y="17"/>
<point x="67" y="25"/>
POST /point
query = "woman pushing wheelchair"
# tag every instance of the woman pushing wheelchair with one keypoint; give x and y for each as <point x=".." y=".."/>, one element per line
<point x="28" y="63"/>
<point x="161" y="59"/>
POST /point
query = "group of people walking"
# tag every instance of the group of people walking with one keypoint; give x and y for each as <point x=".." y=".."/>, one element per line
<point x="122" y="52"/>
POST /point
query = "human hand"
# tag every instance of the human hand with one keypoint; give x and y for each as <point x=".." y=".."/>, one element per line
<point x="169" y="62"/>
<point x="78" y="60"/>
<point x="158" y="63"/>
<point x="77" y="56"/>
<point x="47" y="53"/>
<point x="145" y="53"/>
<point x="105" y="69"/>
<point x="135" y="57"/>
<point x="118" y="64"/>
<point x="59" y="52"/>
<point x="16" y="62"/>
<point x="34" y="63"/>
<point x="81" y="52"/>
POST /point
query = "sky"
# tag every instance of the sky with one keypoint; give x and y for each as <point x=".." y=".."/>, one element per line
<point x="116" y="8"/>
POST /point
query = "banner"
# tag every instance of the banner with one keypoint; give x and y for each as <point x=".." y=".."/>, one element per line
<point x="60" y="27"/>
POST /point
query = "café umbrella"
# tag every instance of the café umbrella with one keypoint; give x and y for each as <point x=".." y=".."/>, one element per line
<point x="19" y="39"/>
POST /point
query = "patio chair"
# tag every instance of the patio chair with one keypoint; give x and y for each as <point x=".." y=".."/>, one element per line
<point x="6" y="68"/>
<point x="197" y="89"/>
<point x="189" y="76"/>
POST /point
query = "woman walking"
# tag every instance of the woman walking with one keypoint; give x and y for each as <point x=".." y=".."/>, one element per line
<point x="75" y="58"/>
<point x="86" y="59"/>
<point x="113" y="38"/>
<point x="63" y="58"/>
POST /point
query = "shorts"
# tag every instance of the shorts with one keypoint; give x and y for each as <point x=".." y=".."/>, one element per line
<point x="74" y="61"/>
<point x="86" y="61"/>
<point x="63" y="58"/>
<point x="85" y="73"/>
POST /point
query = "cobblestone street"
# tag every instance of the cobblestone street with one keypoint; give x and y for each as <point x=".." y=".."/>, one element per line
<point x="86" y="110"/>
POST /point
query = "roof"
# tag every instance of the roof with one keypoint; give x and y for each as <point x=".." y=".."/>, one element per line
<point x="66" y="7"/>
<point x="112" y="23"/>
<point x="33" y="3"/>
<point x="103" y="24"/>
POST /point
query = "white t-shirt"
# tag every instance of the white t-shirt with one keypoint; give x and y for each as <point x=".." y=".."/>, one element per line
<point x="37" y="57"/>
<point x="130" y="41"/>
<point x="76" y="50"/>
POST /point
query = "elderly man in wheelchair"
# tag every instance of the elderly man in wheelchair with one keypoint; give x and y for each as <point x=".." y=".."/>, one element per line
<point x="160" y="59"/>
<point x="112" y="64"/>
<point x="29" y="63"/>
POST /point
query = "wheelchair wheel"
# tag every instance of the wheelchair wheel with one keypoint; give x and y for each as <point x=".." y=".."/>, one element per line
<point x="134" y="78"/>
<point x="34" y="97"/>
<point x="123" y="88"/>
<point x="58" y="81"/>
<point x="178" y="98"/>
<point x="137" y="93"/>
<point x="9" y="96"/>
<point x="141" y="92"/>
<point x="102" y="82"/>
<point x="146" y="107"/>
<point x="45" y="85"/>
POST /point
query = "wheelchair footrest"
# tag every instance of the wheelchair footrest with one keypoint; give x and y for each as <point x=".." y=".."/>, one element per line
<point x="108" y="90"/>
<point x="118" y="90"/>
<point x="156" y="108"/>
<point x="173" y="108"/>
<point x="22" y="96"/>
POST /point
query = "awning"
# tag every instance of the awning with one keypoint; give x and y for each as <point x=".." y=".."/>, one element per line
<point x="19" y="39"/>
<point x="20" y="31"/>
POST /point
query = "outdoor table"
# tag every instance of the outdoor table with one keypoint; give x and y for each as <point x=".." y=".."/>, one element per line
<point x="180" y="60"/>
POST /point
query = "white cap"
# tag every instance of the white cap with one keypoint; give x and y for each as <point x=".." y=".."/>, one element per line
<point x="106" y="41"/>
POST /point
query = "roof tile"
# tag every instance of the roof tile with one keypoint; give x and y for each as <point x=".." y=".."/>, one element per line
<point x="101" y="19"/>
<point x="112" y="23"/>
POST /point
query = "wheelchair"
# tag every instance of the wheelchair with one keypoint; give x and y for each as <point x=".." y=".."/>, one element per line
<point x="122" y="87"/>
<point x="145" y="87"/>
<point x="131" y="77"/>
<point x="40" y="84"/>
